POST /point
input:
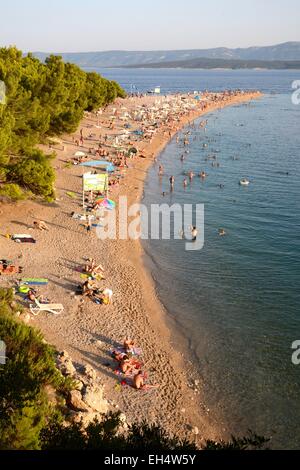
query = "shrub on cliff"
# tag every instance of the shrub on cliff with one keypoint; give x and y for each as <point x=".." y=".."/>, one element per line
<point x="29" y="369"/>
<point x="140" y="437"/>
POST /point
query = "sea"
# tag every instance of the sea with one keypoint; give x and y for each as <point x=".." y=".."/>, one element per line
<point x="237" y="300"/>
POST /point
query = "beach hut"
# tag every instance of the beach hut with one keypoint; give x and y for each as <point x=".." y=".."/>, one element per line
<point x="98" y="182"/>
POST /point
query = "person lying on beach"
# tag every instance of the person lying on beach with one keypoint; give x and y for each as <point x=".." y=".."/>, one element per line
<point x="128" y="345"/>
<point x="88" y="288"/>
<point x="32" y="296"/>
<point x="40" y="225"/>
<point x="126" y="365"/>
<point x="106" y="296"/>
<point x="138" y="382"/>
<point x="92" y="267"/>
<point x="118" y="355"/>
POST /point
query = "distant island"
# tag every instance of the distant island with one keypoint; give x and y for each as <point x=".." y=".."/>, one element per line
<point x="203" y="63"/>
<point x="288" y="54"/>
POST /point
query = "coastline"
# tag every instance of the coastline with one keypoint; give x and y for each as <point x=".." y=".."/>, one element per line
<point x="87" y="332"/>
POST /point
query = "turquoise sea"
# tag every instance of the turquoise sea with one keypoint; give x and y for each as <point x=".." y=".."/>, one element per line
<point x="237" y="300"/>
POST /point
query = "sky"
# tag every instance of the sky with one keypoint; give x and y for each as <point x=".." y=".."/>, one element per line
<point x="97" y="25"/>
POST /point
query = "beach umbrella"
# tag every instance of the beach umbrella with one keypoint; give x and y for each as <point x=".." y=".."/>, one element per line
<point x="133" y="150"/>
<point x="107" y="203"/>
<point x="108" y="166"/>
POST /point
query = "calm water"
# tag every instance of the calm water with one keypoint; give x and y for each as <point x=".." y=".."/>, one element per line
<point x="237" y="300"/>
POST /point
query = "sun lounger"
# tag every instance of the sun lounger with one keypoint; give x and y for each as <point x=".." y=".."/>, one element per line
<point x="34" y="281"/>
<point x="36" y="308"/>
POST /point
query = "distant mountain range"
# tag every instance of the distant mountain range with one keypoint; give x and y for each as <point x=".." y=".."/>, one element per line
<point x="289" y="51"/>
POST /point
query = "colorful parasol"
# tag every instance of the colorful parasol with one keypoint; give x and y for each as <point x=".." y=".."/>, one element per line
<point x="107" y="203"/>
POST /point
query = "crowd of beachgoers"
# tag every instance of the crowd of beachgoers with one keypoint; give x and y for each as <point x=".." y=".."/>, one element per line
<point x="94" y="297"/>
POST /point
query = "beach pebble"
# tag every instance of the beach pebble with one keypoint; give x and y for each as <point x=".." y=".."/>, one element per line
<point x="196" y="430"/>
<point x="75" y="401"/>
<point x="90" y="372"/>
<point x="123" y="418"/>
<point x="93" y="397"/>
<point x="67" y="367"/>
<point x="79" y="385"/>
<point x="63" y="355"/>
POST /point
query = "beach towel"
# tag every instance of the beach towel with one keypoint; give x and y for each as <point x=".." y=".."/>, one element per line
<point x="98" y="277"/>
<point x="71" y="194"/>
<point x="78" y="216"/>
<point x="23" y="239"/>
<point x="23" y="289"/>
<point x="22" y="235"/>
<point x="134" y="351"/>
<point x="35" y="281"/>
<point x="82" y="217"/>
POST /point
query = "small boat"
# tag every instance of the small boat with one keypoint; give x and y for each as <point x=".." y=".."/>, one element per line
<point x="244" y="182"/>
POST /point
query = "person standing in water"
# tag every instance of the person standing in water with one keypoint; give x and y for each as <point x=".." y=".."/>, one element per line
<point x="172" y="181"/>
<point x="194" y="233"/>
<point x="185" y="183"/>
<point x="160" y="170"/>
<point x="191" y="176"/>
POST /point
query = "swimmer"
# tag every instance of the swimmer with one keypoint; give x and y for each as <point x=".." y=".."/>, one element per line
<point x="191" y="175"/>
<point x="194" y="233"/>
<point x="160" y="170"/>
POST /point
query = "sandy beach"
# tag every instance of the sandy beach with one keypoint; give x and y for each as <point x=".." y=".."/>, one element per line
<point x="89" y="331"/>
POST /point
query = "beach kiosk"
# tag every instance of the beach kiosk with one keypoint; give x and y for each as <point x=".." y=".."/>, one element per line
<point x="96" y="182"/>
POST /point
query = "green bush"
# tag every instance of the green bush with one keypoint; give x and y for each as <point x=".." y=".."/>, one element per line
<point x="11" y="192"/>
<point x="142" y="437"/>
<point x="43" y="99"/>
<point x="30" y="368"/>
<point x="34" y="173"/>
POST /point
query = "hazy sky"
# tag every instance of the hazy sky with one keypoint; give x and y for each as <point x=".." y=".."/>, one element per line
<point x="94" y="25"/>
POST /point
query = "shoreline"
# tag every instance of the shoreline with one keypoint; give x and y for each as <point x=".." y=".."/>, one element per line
<point x="87" y="331"/>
